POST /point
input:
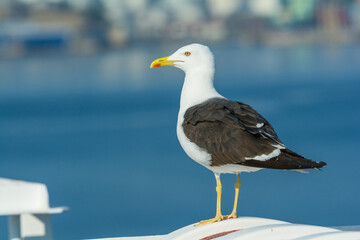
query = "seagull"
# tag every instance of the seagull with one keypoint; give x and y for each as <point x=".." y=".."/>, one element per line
<point x="222" y="135"/>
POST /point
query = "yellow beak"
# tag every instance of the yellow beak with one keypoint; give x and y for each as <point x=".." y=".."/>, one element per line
<point x="163" y="62"/>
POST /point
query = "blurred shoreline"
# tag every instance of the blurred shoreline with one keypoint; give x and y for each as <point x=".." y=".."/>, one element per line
<point x="87" y="27"/>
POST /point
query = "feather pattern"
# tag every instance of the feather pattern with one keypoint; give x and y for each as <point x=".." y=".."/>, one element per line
<point x="235" y="133"/>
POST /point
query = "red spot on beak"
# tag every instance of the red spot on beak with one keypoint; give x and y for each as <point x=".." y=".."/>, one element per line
<point x="157" y="65"/>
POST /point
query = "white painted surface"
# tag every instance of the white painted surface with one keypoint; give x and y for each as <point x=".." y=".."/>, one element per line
<point x="35" y="225"/>
<point x="133" y="238"/>
<point x="251" y="228"/>
<point x="340" y="235"/>
<point x="277" y="231"/>
<point x="13" y="227"/>
<point x="348" y="228"/>
<point x="26" y="226"/>
<point x="192" y="232"/>
<point x="27" y="206"/>
<point x="18" y="197"/>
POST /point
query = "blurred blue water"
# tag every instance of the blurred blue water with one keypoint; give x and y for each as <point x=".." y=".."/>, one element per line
<point x="100" y="132"/>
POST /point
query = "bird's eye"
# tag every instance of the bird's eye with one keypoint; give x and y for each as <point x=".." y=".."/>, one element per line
<point x="187" y="54"/>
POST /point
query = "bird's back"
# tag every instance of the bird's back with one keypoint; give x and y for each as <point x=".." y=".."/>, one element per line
<point x="234" y="133"/>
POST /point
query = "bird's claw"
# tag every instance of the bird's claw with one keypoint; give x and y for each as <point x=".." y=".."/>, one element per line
<point x="212" y="220"/>
<point x="232" y="215"/>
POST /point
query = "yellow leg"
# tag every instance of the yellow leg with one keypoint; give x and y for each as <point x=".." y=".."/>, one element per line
<point x="219" y="217"/>
<point x="237" y="187"/>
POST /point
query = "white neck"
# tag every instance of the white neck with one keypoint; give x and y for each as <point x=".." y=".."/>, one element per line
<point x="198" y="87"/>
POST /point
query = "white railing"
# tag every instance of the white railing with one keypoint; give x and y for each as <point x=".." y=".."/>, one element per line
<point x="27" y="206"/>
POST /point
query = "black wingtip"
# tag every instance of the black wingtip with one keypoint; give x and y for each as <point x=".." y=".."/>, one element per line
<point x="320" y="165"/>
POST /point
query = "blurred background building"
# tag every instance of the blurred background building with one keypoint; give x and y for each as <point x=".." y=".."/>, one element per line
<point x="90" y="25"/>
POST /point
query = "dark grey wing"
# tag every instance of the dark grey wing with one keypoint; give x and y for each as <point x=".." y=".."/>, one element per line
<point x="231" y="132"/>
<point x="234" y="133"/>
<point x="252" y="121"/>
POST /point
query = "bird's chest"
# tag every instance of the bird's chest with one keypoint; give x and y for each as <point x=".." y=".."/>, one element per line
<point x="192" y="150"/>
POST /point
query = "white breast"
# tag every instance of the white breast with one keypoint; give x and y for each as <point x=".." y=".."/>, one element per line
<point x="192" y="150"/>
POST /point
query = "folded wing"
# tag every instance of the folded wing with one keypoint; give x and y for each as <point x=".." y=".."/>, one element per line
<point x="234" y="133"/>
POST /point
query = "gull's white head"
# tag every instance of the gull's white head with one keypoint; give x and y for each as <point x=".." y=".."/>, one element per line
<point x="189" y="58"/>
<point x="197" y="62"/>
